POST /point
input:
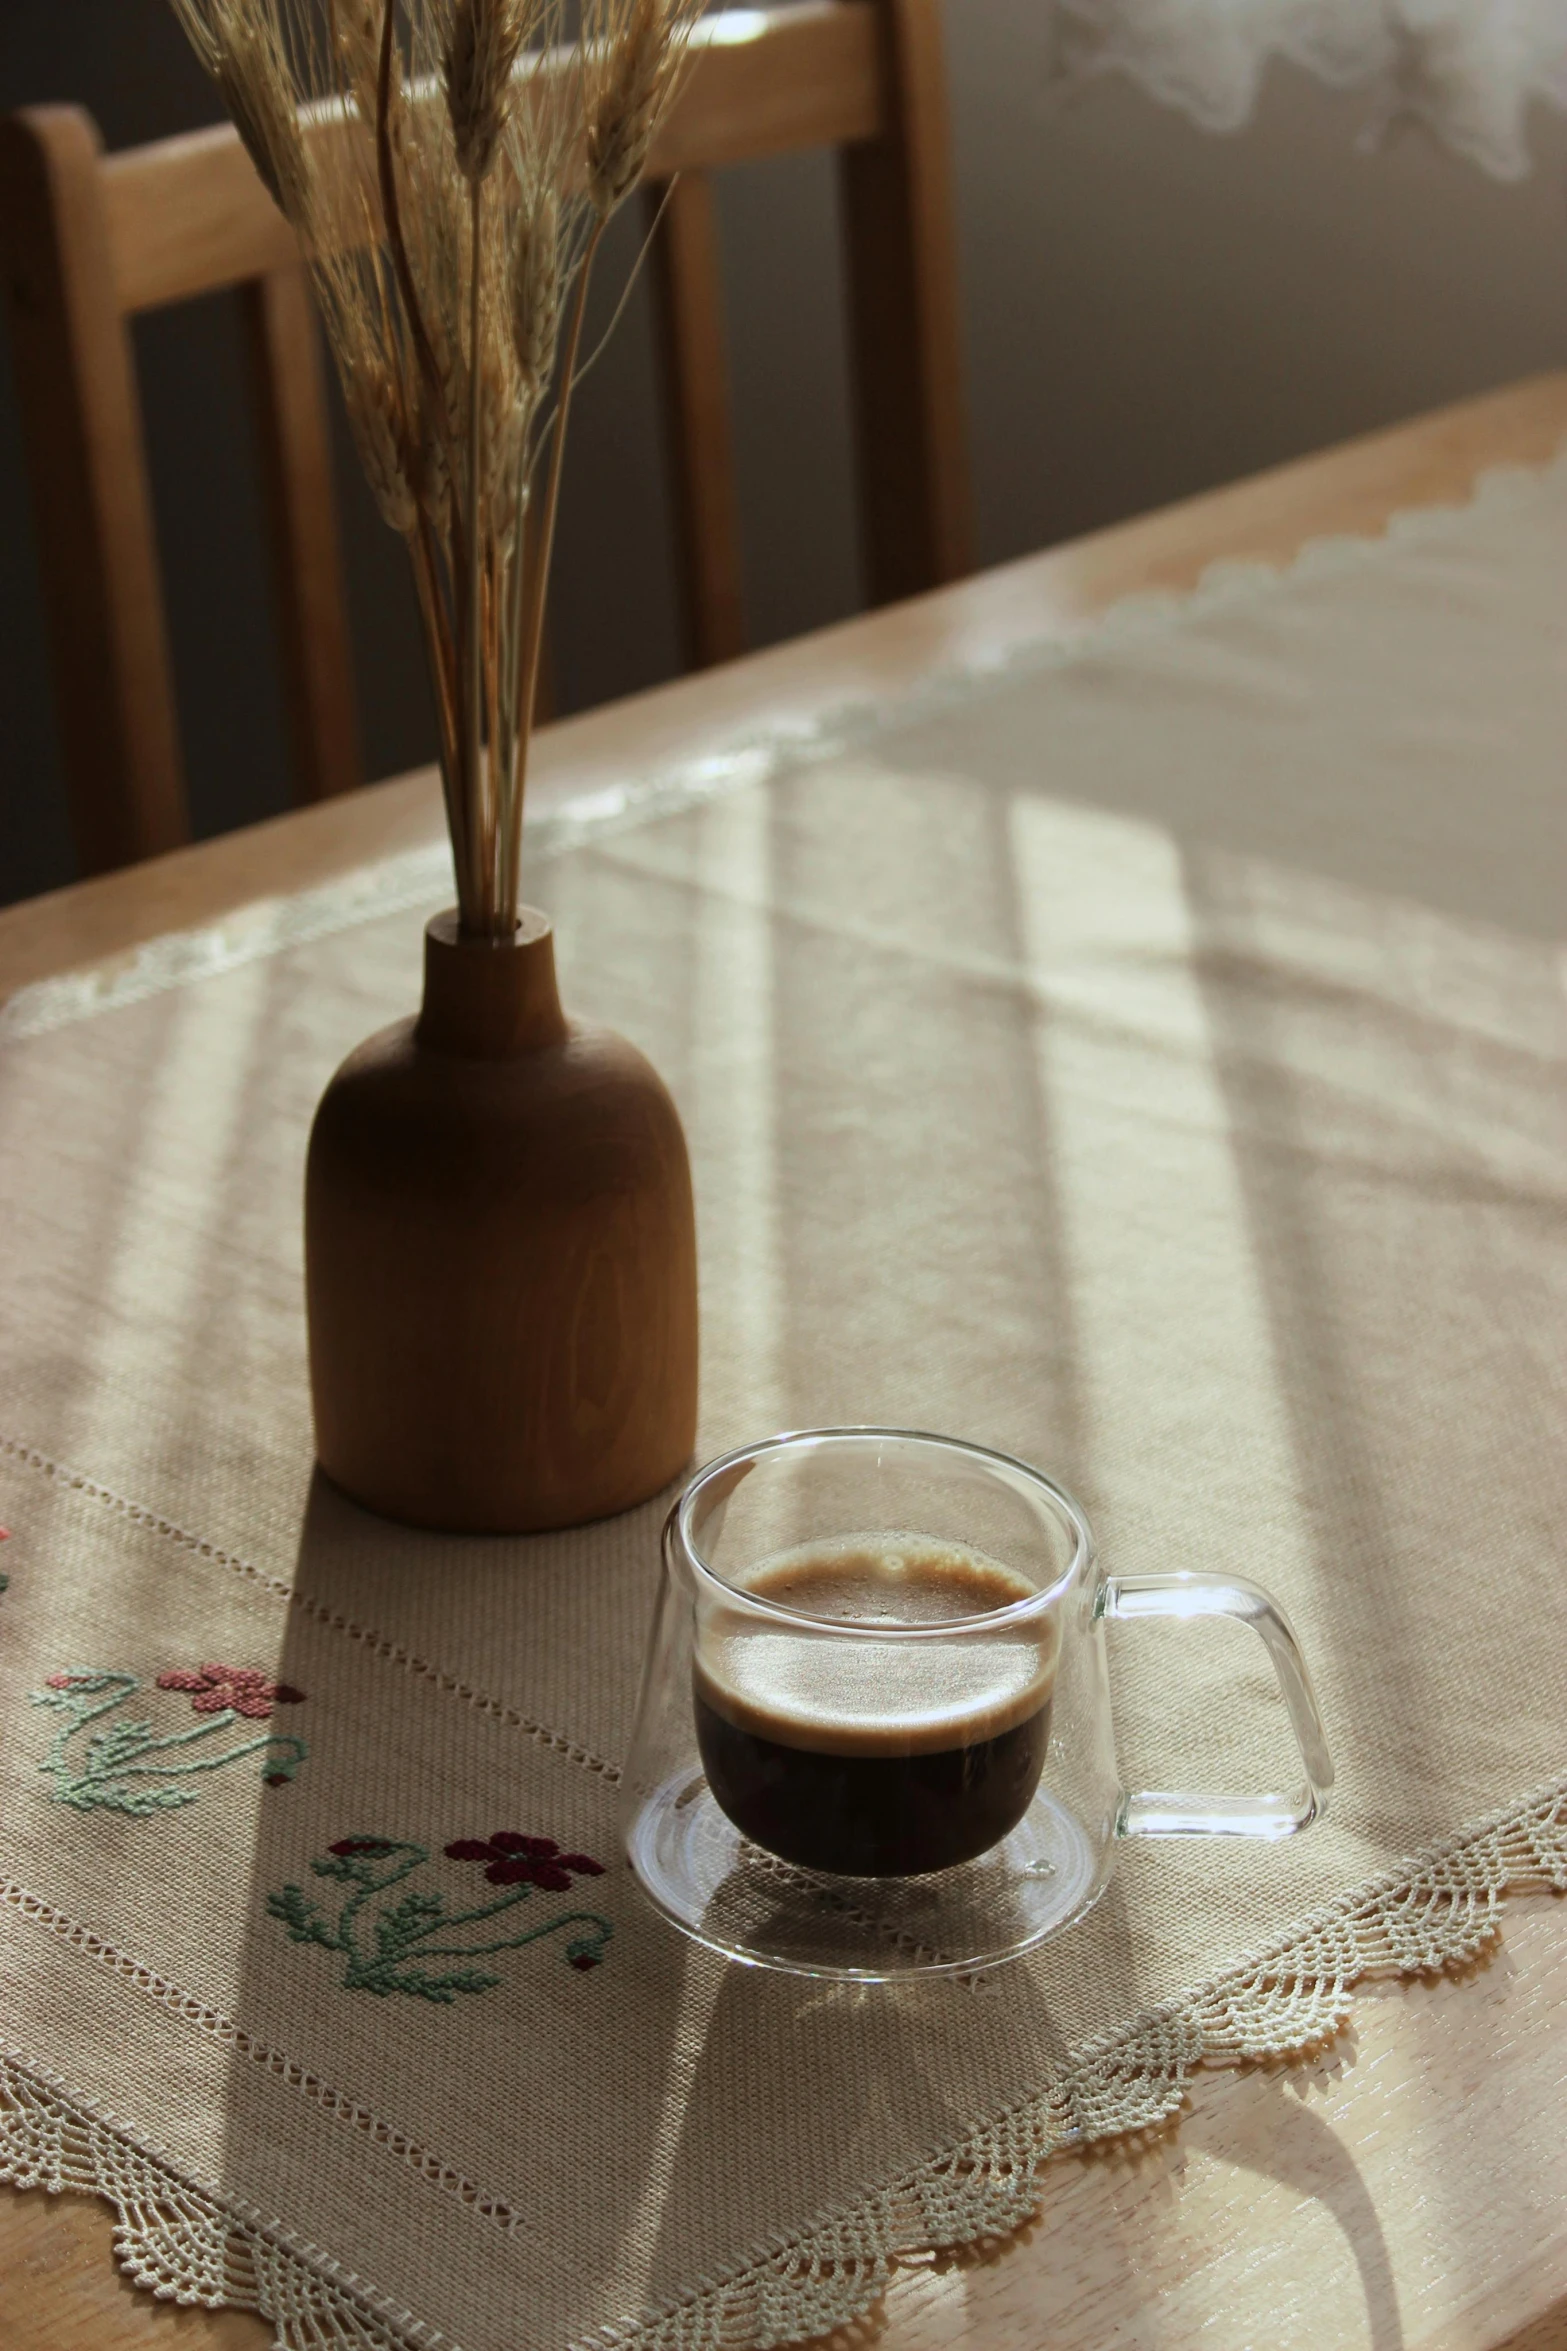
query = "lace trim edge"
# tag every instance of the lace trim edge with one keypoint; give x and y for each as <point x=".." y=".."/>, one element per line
<point x="1435" y="1914"/>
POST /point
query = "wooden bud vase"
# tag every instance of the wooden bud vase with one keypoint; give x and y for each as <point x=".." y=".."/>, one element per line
<point x="500" y="1257"/>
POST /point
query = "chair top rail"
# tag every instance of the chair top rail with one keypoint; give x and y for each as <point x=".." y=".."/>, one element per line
<point x="189" y="215"/>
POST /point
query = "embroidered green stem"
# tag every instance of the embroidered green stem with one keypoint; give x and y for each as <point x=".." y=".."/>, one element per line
<point x="386" y="1946"/>
<point x="514" y="1942"/>
<point x="102" y="1774"/>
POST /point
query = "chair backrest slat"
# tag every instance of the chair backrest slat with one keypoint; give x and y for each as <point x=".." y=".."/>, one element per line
<point x="687" y="308"/>
<point x="190" y="216"/>
<point x="103" y="594"/>
<point x="904" y="330"/>
<point x="92" y="240"/>
<point x="296" y="468"/>
<point x="775" y="82"/>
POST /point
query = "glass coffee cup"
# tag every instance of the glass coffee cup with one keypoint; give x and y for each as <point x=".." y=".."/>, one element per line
<point x="874" y="1730"/>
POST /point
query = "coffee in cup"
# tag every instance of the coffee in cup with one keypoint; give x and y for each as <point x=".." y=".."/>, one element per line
<point x="876" y="1758"/>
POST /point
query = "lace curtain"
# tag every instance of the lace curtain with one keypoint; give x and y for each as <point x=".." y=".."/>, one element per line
<point x="1467" y="69"/>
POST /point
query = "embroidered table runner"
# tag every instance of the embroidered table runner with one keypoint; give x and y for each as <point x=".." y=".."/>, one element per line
<point x="1146" y="1059"/>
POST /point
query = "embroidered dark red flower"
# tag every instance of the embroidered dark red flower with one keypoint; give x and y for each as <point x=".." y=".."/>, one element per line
<point x="366" y="1848"/>
<point x="511" y="1859"/>
<point x="240" y="1688"/>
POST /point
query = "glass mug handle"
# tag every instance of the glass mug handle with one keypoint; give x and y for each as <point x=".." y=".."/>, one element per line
<point x="1157" y="1812"/>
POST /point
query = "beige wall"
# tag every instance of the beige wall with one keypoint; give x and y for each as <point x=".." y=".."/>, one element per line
<point x="1153" y="309"/>
<point x="1148" y="310"/>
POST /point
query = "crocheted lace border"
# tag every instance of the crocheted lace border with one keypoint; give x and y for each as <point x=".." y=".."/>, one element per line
<point x="1435" y="1914"/>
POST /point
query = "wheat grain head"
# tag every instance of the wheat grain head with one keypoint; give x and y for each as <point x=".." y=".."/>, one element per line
<point x="633" y="52"/>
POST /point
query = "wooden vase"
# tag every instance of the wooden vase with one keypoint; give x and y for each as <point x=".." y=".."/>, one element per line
<point x="500" y="1257"/>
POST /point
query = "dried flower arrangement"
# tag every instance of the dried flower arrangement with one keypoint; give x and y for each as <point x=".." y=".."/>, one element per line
<point x="450" y="167"/>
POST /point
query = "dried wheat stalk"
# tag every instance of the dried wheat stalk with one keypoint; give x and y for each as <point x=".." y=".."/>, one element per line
<point x="450" y="166"/>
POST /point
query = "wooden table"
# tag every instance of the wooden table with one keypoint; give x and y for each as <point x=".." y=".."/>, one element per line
<point x="1409" y="2192"/>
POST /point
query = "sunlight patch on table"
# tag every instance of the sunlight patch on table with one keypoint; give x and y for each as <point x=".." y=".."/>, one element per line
<point x="1185" y="1424"/>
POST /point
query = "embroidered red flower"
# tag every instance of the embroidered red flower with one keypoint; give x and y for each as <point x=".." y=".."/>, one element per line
<point x="239" y="1687"/>
<point x="366" y="1848"/>
<point x="512" y="1859"/>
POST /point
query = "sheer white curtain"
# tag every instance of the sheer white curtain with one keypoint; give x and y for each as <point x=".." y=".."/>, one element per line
<point x="1468" y="69"/>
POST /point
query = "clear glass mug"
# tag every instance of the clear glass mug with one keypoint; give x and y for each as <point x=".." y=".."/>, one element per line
<point x="874" y="1730"/>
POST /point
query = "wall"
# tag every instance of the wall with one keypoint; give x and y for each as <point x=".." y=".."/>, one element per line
<point x="1148" y="311"/>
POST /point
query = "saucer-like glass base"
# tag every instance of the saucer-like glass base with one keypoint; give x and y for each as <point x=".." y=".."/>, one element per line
<point x="701" y="1873"/>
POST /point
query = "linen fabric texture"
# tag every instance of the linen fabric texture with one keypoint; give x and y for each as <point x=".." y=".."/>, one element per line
<point x="1145" y="1057"/>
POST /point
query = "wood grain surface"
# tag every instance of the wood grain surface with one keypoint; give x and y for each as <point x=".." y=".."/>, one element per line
<point x="503" y="1336"/>
<point x="1409" y="2193"/>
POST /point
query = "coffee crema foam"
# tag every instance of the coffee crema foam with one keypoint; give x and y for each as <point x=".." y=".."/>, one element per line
<point x="879" y="1698"/>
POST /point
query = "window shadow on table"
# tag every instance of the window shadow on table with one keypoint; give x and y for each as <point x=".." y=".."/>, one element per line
<point x="1389" y="1073"/>
<point x="837" y="1195"/>
<point x="799" y="2164"/>
<point x="589" y="2140"/>
<point x="856" y="1069"/>
<point x="1294" y="2146"/>
<point x="1383" y="1076"/>
<point x="909" y="1120"/>
<point x="429" y="2082"/>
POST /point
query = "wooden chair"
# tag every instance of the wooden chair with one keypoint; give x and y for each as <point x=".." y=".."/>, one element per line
<point x="91" y="240"/>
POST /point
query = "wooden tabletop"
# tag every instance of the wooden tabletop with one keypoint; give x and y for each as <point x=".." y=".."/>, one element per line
<point x="1407" y="2193"/>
